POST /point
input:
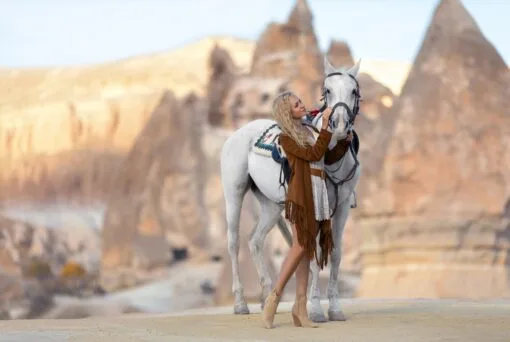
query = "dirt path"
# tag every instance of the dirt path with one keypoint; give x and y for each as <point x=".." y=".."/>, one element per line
<point x="368" y="320"/>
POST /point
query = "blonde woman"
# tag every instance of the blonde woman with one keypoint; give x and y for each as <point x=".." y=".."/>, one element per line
<point x="306" y="203"/>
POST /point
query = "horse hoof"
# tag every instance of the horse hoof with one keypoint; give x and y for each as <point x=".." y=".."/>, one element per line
<point x="336" y="316"/>
<point x="317" y="317"/>
<point x="241" y="309"/>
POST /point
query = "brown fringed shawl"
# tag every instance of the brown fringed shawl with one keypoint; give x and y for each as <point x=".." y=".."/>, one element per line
<point x="299" y="205"/>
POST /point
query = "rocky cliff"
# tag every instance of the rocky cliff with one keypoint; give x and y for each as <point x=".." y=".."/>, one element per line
<point x="64" y="131"/>
<point x="156" y="201"/>
<point x="66" y="151"/>
<point x="436" y="226"/>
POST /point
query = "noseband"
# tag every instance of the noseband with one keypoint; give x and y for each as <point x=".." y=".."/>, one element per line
<point x="352" y="113"/>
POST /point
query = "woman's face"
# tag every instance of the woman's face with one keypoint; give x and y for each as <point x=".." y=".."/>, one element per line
<point x="297" y="108"/>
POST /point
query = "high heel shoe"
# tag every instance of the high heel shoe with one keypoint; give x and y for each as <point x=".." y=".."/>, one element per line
<point x="270" y="306"/>
<point x="300" y="314"/>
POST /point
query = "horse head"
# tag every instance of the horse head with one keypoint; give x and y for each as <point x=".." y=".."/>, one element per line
<point x="340" y="91"/>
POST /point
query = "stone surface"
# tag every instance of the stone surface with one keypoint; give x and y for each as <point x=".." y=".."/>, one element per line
<point x="339" y="54"/>
<point x="32" y="260"/>
<point x="70" y="155"/>
<point x="156" y="201"/>
<point x="223" y="73"/>
<point x="444" y="182"/>
<point x="251" y="98"/>
<point x="375" y="126"/>
<point x="442" y="258"/>
<point x="21" y="243"/>
<point x="212" y="142"/>
<point x="22" y="299"/>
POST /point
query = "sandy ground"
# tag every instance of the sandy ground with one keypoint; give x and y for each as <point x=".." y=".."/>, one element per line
<point x="368" y="320"/>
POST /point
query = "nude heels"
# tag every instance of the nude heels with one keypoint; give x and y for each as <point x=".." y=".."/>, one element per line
<point x="300" y="314"/>
<point x="270" y="306"/>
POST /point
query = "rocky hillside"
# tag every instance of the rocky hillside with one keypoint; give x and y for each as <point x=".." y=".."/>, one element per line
<point x="181" y="70"/>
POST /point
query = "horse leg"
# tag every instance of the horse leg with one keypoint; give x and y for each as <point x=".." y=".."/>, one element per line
<point x="316" y="313"/>
<point x="233" y="204"/>
<point x="339" y="220"/>
<point x="269" y="214"/>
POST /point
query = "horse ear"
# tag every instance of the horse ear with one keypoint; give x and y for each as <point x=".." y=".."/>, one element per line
<point x="328" y="68"/>
<point x="355" y="68"/>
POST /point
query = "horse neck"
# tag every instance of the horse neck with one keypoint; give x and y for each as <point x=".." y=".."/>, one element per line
<point x="343" y="166"/>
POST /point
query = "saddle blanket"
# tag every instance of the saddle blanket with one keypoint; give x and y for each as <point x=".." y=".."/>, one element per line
<point x="268" y="142"/>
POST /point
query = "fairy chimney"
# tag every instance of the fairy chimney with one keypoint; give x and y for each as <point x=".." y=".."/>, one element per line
<point x="223" y="74"/>
<point x="301" y="18"/>
<point x="156" y="202"/>
<point x="436" y="228"/>
<point x="291" y="51"/>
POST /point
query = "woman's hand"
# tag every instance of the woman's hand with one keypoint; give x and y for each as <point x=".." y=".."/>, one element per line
<point x="326" y="114"/>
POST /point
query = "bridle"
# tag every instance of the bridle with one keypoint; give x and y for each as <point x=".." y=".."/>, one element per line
<point x="352" y="116"/>
<point x="352" y="113"/>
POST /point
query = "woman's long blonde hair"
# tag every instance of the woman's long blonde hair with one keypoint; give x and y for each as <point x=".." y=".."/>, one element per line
<point x="282" y="113"/>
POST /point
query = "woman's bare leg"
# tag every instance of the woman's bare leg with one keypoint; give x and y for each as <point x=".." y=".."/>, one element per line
<point x="299" y="311"/>
<point x="292" y="261"/>
<point x="302" y="273"/>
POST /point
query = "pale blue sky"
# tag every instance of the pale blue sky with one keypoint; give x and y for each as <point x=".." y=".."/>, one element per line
<point x="67" y="32"/>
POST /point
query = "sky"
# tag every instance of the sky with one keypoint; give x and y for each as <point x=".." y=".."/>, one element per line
<point x="38" y="33"/>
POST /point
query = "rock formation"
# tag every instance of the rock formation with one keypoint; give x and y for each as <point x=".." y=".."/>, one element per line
<point x="32" y="260"/>
<point x="437" y="228"/>
<point x="68" y="151"/>
<point x="339" y="54"/>
<point x="291" y="51"/>
<point x="223" y="73"/>
<point x="156" y="202"/>
<point x="375" y="126"/>
<point x="22" y="243"/>
<point x="251" y="98"/>
<point x="22" y="299"/>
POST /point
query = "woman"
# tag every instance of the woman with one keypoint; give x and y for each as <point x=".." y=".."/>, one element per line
<point x="306" y="203"/>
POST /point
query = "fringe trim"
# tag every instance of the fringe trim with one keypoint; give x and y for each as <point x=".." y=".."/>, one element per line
<point x="307" y="235"/>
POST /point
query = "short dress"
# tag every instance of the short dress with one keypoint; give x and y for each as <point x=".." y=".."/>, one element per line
<point x="320" y="192"/>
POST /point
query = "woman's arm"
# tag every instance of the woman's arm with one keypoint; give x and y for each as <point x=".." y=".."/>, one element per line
<point x="310" y="153"/>
<point x="337" y="152"/>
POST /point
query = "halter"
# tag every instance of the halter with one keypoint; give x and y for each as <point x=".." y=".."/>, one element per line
<point x="352" y="113"/>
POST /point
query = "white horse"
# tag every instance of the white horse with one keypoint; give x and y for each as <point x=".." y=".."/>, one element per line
<point x="242" y="169"/>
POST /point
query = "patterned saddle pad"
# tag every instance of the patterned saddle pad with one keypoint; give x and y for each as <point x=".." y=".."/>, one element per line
<point x="267" y="144"/>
